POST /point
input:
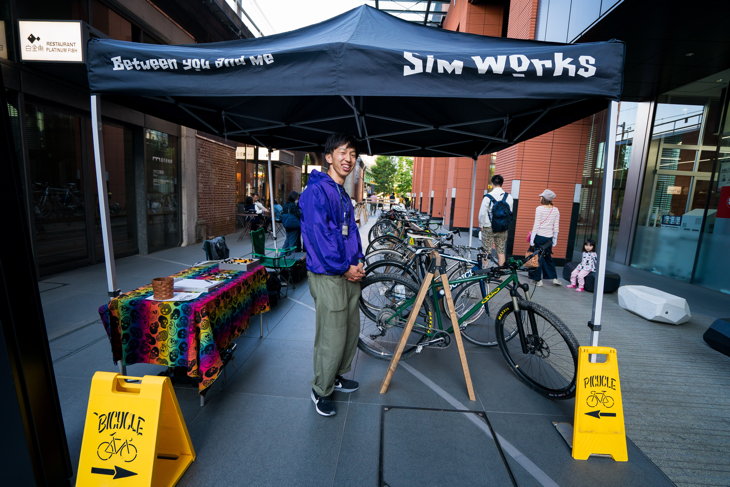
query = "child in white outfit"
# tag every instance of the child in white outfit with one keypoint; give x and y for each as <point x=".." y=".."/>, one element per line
<point x="586" y="266"/>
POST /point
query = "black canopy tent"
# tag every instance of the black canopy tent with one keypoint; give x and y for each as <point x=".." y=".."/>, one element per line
<point x="401" y="88"/>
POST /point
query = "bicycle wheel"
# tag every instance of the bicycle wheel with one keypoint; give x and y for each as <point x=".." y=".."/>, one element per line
<point x="385" y="305"/>
<point x="381" y="227"/>
<point x="480" y="328"/>
<point x="384" y="254"/>
<point x="550" y="360"/>
<point x="383" y="242"/>
<point x="391" y="267"/>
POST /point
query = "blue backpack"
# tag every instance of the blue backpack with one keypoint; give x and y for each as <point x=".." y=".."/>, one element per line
<point x="501" y="215"/>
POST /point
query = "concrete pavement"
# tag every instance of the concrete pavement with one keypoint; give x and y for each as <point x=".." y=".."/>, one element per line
<point x="259" y="426"/>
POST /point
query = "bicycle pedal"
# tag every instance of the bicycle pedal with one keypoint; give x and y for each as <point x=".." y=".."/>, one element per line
<point x="419" y="348"/>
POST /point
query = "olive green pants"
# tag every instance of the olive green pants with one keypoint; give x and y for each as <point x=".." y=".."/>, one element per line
<point x="338" y="327"/>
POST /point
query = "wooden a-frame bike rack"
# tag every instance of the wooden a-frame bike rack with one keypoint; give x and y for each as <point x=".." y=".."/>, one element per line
<point x="436" y="268"/>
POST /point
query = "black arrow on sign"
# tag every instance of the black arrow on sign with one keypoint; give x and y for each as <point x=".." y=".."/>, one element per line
<point x="597" y="414"/>
<point x="117" y="472"/>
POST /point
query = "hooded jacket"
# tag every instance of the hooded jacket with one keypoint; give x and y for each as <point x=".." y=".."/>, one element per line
<point x="325" y="205"/>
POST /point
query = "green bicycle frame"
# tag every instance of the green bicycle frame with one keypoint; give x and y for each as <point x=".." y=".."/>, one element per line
<point x="435" y="296"/>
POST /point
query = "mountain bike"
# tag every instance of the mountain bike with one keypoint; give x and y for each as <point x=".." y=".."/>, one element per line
<point x="536" y="344"/>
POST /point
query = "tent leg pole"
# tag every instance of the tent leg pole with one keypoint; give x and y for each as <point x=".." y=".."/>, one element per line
<point x="603" y="228"/>
<point x="101" y="189"/>
<point x="471" y="202"/>
<point x="271" y="203"/>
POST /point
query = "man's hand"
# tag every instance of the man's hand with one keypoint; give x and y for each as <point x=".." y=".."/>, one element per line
<point x="355" y="273"/>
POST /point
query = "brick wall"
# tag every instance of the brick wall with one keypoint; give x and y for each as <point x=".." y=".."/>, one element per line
<point x="522" y="19"/>
<point x="216" y="186"/>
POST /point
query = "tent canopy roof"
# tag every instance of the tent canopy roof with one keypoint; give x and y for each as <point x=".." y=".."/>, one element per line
<point x="403" y="89"/>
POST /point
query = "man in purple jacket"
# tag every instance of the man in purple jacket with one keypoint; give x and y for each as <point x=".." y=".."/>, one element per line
<point x="334" y="270"/>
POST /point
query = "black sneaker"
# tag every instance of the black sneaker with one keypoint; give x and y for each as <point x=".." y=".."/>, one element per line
<point x="345" y="385"/>
<point x="323" y="405"/>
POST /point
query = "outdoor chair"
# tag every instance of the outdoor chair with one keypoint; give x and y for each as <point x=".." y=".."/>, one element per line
<point x="276" y="259"/>
<point x="216" y="249"/>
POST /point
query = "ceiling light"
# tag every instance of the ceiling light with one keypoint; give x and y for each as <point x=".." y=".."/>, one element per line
<point x="689" y="54"/>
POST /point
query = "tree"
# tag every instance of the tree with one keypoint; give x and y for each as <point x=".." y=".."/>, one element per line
<point x="384" y="172"/>
<point x="404" y="176"/>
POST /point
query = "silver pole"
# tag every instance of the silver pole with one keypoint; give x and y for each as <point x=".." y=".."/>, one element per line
<point x="106" y="236"/>
<point x="471" y="202"/>
<point x="609" y="155"/>
<point x="271" y="202"/>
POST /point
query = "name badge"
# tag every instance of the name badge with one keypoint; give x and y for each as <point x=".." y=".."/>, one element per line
<point x="345" y="230"/>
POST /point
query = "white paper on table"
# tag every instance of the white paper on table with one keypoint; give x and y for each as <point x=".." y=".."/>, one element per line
<point x="195" y="285"/>
<point x="180" y="296"/>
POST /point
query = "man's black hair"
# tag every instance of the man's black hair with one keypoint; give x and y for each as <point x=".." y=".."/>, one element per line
<point x="336" y="140"/>
<point x="497" y="180"/>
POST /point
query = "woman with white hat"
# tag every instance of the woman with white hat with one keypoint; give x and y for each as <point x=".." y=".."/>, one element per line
<point x="545" y="229"/>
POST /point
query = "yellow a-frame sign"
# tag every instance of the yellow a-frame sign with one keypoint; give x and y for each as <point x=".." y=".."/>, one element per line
<point x="134" y="433"/>
<point x="598" y="422"/>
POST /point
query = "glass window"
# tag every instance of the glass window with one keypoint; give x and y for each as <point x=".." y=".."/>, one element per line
<point x="119" y="162"/>
<point x="54" y="144"/>
<point x="677" y="187"/>
<point x="163" y="197"/>
<point x="582" y="14"/>
<point x="713" y="264"/>
<point x="556" y="23"/>
<point x="592" y="183"/>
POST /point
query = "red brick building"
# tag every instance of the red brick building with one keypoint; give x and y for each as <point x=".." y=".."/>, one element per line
<point x="554" y="160"/>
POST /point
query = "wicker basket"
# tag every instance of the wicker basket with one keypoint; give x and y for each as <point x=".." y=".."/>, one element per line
<point x="162" y="287"/>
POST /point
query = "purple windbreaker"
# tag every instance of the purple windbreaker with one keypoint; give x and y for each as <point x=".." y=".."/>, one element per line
<point x="323" y="203"/>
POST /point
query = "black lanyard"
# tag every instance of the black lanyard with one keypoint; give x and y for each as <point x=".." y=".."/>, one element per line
<point x="344" y="203"/>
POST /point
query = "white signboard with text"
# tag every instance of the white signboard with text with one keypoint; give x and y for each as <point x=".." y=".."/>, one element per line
<point x="50" y="41"/>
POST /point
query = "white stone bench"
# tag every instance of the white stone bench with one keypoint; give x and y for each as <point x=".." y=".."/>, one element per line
<point x="653" y="304"/>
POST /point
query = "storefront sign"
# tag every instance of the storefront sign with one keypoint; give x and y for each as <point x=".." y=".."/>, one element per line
<point x="672" y="220"/>
<point x="674" y="190"/>
<point x="50" y="41"/>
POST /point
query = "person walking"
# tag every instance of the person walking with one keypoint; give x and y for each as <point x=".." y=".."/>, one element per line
<point x="334" y="270"/>
<point x="495" y="218"/>
<point x="545" y="233"/>
<point x="373" y="204"/>
<point x="290" y="218"/>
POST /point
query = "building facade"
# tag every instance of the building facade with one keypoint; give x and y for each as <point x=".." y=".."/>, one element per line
<point x="168" y="185"/>
<point x="671" y="189"/>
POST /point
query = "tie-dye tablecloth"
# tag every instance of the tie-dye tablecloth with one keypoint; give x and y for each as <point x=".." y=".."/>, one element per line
<point x="189" y="334"/>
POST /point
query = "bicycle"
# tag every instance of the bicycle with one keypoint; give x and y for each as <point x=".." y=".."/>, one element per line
<point x="536" y="344"/>
<point x="126" y="450"/>
<point x="596" y="398"/>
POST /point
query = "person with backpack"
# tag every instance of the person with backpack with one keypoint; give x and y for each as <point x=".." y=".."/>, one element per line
<point x="495" y="218"/>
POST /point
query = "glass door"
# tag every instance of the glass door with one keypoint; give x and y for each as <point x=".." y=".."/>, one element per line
<point x="713" y="260"/>
<point x="678" y="173"/>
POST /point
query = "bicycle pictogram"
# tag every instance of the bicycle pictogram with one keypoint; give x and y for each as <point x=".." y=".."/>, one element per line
<point x="597" y="398"/>
<point x="125" y="449"/>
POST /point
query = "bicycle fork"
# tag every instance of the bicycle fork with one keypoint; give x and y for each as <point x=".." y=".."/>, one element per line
<point x="527" y="346"/>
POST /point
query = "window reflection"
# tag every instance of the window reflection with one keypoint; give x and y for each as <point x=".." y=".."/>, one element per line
<point x="161" y="169"/>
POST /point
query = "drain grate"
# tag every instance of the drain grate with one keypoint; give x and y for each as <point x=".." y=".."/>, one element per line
<point x="426" y="446"/>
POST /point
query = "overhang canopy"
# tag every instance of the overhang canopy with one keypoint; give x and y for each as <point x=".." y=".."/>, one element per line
<point x="402" y="88"/>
